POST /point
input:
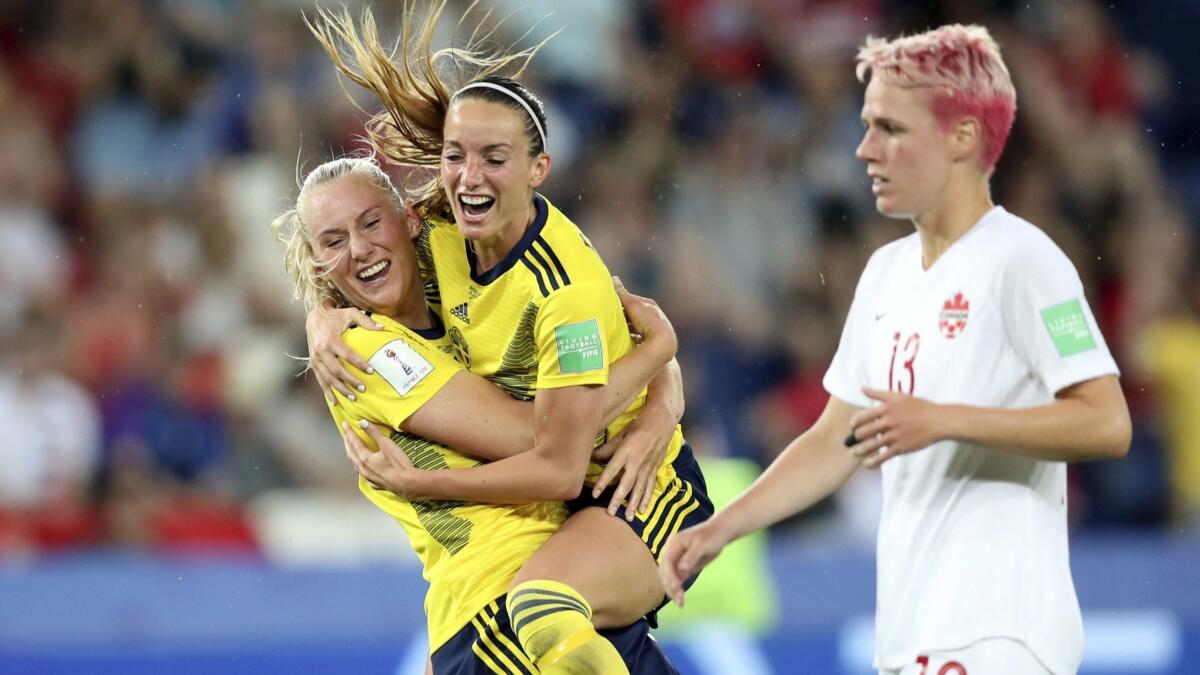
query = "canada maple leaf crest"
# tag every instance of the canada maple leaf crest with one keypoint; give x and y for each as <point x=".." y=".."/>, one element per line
<point x="953" y="319"/>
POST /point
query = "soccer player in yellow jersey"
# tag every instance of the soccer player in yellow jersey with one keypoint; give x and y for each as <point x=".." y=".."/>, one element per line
<point x="530" y="305"/>
<point x="350" y="241"/>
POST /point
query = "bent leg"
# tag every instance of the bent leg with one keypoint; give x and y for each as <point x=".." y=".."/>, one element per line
<point x="605" y="561"/>
<point x="613" y="562"/>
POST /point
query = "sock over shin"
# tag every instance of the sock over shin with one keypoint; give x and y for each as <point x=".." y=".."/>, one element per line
<point x="554" y="625"/>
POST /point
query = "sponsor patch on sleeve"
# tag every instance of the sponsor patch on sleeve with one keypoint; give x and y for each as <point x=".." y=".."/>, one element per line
<point x="1068" y="328"/>
<point x="401" y="365"/>
<point x="580" y="348"/>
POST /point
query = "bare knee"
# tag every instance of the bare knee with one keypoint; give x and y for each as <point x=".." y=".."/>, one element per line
<point x="605" y="561"/>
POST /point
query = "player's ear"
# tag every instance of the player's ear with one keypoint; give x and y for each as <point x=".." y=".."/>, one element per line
<point x="412" y="220"/>
<point x="966" y="138"/>
<point x="539" y="170"/>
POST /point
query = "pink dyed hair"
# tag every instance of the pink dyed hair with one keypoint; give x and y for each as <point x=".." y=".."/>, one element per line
<point x="962" y="67"/>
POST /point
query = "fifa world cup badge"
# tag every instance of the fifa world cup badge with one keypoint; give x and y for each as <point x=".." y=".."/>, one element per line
<point x="953" y="319"/>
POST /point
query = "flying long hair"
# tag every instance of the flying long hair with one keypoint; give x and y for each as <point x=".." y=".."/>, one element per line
<point x="415" y="83"/>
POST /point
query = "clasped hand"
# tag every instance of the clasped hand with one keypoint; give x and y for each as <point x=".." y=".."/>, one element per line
<point x="899" y="424"/>
<point x="389" y="468"/>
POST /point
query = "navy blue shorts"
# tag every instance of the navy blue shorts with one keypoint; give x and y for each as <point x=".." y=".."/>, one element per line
<point x="682" y="504"/>
<point x="488" y="645"/>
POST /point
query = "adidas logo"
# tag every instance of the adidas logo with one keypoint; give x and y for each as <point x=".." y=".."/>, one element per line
<point x="461" y="313"/>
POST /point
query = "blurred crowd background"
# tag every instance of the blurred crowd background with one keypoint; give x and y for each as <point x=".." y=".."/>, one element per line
<point x="148" y="398"/>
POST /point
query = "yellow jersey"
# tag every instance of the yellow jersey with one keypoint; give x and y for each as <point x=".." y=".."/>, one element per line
<point x="545" y="316"/>
<point x="469" y="552"/>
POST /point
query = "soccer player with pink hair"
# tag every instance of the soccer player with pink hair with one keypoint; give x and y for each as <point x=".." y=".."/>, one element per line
<point x="970" y="370"/>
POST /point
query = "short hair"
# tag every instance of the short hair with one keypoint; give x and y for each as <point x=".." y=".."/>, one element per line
<point x="300" y="259"/>
<point x="961" y="65"/>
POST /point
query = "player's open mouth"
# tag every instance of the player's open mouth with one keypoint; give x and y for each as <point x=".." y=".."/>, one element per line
<point x="475" y="206"/>
<point x="375" y="272"/>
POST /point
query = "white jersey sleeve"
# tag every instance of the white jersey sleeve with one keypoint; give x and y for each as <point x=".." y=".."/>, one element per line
<point x="1048" y="319"/>
<point x="847" y="372"/>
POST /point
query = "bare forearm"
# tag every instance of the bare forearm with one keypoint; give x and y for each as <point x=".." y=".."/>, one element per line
<point x="664" y="399"/>
<point x="476" y="418"/>
<point x="565" y="424"/>
<point x="1063" y="431"/>
<point x="532" y="476"/>
<point x="666" y="391"/>
<point x="811" y="468"/>
<point x="632" y="373"/>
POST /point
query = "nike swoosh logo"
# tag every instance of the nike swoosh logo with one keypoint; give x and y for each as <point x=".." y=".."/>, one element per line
<point x="880" y="315"/>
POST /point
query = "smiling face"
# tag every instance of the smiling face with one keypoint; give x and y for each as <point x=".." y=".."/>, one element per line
<point x="487" y="172"/>
<point x="365" y="241"/>
<point x="908" y="155"/>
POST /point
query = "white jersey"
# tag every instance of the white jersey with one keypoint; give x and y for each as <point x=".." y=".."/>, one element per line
<point x="972" y="541"/>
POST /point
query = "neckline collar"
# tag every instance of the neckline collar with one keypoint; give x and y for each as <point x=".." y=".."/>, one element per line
<point x="435" y="332"/>
<point x="506" y="263"/>
<point x="979" y="225"/>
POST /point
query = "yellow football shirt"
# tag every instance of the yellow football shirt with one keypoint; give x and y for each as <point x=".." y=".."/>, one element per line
<point x="470" y="552"/>
<point x="546" y="316"/>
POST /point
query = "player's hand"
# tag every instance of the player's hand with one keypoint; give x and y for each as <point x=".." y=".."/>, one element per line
<point x="899" y="424"/>
<point x="388" y="468"/>
<point x="648" y="325"/>
<point x="687" y="553"/>
<point x="635" y="455"/>
<point x="327" y="351"/>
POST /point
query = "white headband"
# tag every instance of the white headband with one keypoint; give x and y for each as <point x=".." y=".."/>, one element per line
<point x="515" y="97"/>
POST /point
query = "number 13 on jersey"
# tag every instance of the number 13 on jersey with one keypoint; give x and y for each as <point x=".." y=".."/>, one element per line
<point x="902" y="377"/>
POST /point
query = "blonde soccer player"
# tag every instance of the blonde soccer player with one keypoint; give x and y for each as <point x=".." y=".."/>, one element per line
<point x="970" y="370"/>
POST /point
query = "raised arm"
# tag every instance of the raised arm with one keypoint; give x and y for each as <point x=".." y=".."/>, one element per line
<point x="811" y="468"/>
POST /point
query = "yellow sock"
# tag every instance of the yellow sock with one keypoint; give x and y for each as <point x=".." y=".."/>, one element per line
<point x="554" y="626"/>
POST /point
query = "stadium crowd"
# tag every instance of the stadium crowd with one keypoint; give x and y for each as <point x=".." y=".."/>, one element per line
<point x="147" y="397"/>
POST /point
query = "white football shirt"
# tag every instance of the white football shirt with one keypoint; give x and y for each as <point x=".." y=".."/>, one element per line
<point x="972" y="541"/>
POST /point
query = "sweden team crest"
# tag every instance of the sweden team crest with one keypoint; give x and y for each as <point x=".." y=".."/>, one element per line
<point x="953" y="319"/>
<point x="461" y="350"/>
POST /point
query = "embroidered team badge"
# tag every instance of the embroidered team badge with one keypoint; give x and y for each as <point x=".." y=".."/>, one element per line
<point x="462" y="351"/>
<point x="953" y="319"/>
